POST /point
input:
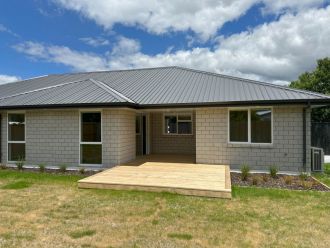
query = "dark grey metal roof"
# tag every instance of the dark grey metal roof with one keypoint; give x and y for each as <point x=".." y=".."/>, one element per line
<point x="163" y="86"/>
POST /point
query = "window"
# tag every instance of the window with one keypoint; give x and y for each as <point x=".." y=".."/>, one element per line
<point x="261" y="126"/>
<point x="90" y="138"/>
<point x="252" y="125"/>
<point x="239" y="126"/>
<point x="178" y="124"/>
<point x="16" y="137"/>
<point x="138" y="124"/>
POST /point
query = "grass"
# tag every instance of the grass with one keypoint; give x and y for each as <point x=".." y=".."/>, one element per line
<point x="17" y="185"/>
<point x="81" y="233"/>
<point x="180" y="236"/>
<point x="324" y="177"/>
<point x="52" y="210"/>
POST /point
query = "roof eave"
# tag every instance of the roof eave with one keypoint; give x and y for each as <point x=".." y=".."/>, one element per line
<point x="323" y="102"/>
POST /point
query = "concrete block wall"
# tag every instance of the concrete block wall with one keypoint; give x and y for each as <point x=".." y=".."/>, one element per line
<point x="127" y="136"/>
<point x="110" y="137"/>
<point x="118" y="136"/>
<point x="52" y="136"/>
<point x="3" y="139"/>
<point x="171" y="144"/>
<point x="286" y="152"/>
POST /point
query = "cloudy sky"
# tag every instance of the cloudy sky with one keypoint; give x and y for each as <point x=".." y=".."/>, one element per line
<point x="267" y="40"/>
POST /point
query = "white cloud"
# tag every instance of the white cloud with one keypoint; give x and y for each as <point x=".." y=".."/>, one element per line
<point x="159" y="17"/>
<point x="8" y="79"/>
<point x="203" y="17"/>
<point x="125" y="46"/>
<point x="4" y="29"/>
<point x="80" y="61"/>
<point x="95" y="42"/>
<point x="277" y="52"/>
<point x="279" y="6"/>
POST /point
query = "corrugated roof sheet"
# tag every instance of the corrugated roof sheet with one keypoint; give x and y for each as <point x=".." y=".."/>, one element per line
<point x="146" y="87"/>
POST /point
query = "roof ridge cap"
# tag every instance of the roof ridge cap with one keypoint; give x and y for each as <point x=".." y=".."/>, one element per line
<point x="44" y="88"/>
<point x="119" y="70"/>
<point x="255" y="82"/>
<point x="111" y="90"/>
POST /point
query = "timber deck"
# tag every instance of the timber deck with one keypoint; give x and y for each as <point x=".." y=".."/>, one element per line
<point x="165" y="173"/>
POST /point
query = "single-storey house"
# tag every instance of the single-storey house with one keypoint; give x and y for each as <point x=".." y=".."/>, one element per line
<point x="106" y="118"/>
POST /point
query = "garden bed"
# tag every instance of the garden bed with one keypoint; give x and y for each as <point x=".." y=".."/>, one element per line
<point x="280" y="181"/>
<point x="55" y="171"/>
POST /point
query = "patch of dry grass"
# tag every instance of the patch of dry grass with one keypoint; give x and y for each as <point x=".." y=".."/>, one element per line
<point x="53" y="212"/>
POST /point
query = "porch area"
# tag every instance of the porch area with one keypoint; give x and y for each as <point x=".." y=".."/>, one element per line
<point x="165" y="173"/>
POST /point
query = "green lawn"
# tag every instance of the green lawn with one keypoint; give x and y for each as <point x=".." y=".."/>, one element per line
<point x="41" y="210"/>
<point x="324" y="177"/>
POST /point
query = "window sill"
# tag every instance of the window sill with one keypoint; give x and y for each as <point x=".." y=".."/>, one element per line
<point x="250" y="145"/>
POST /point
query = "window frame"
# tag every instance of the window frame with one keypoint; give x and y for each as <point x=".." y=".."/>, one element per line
<point x="15" y="142"/>
<point x="81" y="112"/>
<point x="177" y="123"/>
<point x="248" y="109"/>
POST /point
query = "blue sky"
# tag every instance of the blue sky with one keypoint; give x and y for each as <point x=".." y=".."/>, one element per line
<point x="258" y="39"/>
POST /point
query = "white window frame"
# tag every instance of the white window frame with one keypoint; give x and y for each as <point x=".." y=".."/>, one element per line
<point x="90" y="143"/>
<point x="177" y="123"/>
<point x="248" y="109"/>
<point x="15" y="142"/>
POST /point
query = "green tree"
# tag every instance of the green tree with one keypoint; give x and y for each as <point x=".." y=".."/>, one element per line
<point x="317" y="81"/>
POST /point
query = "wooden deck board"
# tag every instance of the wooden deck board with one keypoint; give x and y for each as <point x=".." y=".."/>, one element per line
<point x="152" y="173"/>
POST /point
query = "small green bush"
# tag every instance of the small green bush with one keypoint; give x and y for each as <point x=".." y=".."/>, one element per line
<point x="62" y="168"/>
<point x="265" y="178"/>
<point x="20" y="164"/>
<point x="245" y="172"/>
<point x="3" y="166"/>
<point x="42" y="167"/>
<point x="303" y="176"/>
<point x="306" y="184"/>
<point x="273" y="170"/>
<point x="255" y="180"/>
<point x="288" y="180"/>
<point x="82" y="171"/>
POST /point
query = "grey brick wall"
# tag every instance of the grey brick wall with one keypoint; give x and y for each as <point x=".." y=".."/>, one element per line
<point x="118" y="136"/>
<point x="52" y="137"/>
<point x="171" y="144"/>
<point x="286" y="152"/>
<point x="3" y="139"/>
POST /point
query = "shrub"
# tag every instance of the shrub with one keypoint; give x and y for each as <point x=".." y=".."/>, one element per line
<point x="245" y="172"/>
<point x="288" y="180"/>
<point x="273" y="171"/>
<point x="255" y="180"/>
<point x="306" y="184"/>
<point x="82" y="170"/>
<point x="3" y="166"/>
<point x="265" y="178"/>
<point x="62" y="168"/>
<point x="303" y="176"/>
<point x="20" y="164"/>
<point x="42" y="167"/>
